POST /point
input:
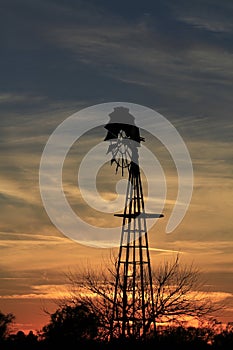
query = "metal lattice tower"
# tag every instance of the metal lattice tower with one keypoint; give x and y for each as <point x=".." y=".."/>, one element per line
<point x="133" y="305"/>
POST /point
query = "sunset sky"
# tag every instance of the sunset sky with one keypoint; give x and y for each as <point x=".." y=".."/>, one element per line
<point x="58" y="57"/>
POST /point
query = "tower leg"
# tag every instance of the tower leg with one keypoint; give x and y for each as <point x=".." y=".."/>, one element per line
<point x="133" y="307"/>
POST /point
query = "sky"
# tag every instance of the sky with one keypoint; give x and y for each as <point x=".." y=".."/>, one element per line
<point x="58" y="57"/>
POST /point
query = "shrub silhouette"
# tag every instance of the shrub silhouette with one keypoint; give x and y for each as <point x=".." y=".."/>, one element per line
<point x="224" y="340"/>
<point x="70" y="324"/>
<point x="5" y="322"/>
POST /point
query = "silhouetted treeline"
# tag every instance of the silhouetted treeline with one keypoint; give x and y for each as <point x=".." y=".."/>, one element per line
<point x="175" y="338"/>
<point x="76" y="328"/>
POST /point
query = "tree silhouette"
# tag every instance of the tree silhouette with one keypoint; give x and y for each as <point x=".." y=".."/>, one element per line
<point x="177" y="294"/>
<point x="70" y="324"/>
<point x="5" y="322"/>
<point x="184" y="338"/>
<point x="224" y="339"/>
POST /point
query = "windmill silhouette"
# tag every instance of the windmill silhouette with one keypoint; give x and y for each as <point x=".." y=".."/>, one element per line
<point x="133" y="304"/>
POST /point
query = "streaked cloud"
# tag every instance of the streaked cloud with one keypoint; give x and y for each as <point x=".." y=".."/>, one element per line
<point x="44" y="292"/>
<point x="214" y="17"/>
<point x="10" y="98"/>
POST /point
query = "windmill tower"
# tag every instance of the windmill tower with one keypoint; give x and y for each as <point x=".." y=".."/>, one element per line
<point x="133" y="305"/>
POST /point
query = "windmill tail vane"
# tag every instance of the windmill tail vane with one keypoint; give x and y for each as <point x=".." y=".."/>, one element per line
<point x="133" y="312"/>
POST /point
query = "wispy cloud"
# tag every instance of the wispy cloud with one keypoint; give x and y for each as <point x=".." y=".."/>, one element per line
<point x="214" y="16"/>
<point x="46" y="291"/>
<point x="165" y="250"/>
<point x="11" y="98"/>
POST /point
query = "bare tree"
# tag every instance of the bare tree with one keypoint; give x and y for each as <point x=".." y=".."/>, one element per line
<point x="178" y="293"/>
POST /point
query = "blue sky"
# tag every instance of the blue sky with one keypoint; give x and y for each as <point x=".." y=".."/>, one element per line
<point x="60" y="56"/>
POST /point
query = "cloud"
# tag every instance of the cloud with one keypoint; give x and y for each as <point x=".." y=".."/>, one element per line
<point x="142" y="57"/>
<point x="46" y="248"/>
<point x="208" y="15"/>
<point x="118" y="43"/>
<point x="153" y="56"/>
<point x="165" y="250"/>
<point x="210" y="24"/>
<point x="11" y="98"/>
<point x="29" y="260"/>
<point x="46" y="291"/>
<point x="14" y="191"/>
